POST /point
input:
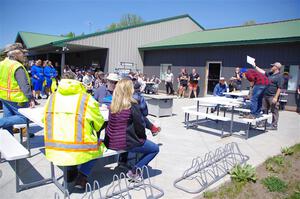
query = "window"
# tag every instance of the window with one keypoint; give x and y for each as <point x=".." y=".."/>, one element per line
<point x="290" y="77"/>
<point x="163" y="70"/>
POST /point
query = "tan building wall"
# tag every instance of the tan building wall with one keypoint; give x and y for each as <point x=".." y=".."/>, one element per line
<point x="123" y="45"/>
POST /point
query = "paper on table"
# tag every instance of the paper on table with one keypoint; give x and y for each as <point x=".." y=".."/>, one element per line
<point x="251" y="60"/>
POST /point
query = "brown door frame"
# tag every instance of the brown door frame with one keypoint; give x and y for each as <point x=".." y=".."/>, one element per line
<point x="207" y="71"/>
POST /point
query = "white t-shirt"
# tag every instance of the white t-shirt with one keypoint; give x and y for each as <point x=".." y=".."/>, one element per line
<point x="169" y="77"/>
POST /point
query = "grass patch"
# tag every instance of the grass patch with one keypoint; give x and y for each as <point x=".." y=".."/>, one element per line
<point x="296" y="148"/>
<point x="274" y="184"/>
<point x="276" y="164"/>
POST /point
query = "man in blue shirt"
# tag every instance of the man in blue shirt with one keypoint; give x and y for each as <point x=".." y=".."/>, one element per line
<point x="220" y="88"/>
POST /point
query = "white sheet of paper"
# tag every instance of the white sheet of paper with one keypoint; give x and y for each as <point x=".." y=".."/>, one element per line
<point x="251" y="60"/>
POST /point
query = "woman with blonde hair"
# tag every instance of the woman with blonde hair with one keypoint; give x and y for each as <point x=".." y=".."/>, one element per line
<point x="125" y="130"/>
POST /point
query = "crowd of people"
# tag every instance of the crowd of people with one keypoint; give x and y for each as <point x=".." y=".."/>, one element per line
<point x="72" y="116"/>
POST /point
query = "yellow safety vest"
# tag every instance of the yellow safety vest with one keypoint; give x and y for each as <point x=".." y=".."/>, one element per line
<point x="72" y="118"/>
<point x="9" y="87"/>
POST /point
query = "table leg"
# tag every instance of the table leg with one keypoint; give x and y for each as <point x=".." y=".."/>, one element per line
<point x="28" y="136"/>
<point x="231" y="122"/>
<point x="197" y="109"/>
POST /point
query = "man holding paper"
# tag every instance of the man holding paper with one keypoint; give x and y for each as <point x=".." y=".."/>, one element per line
<point x="272" y="92"/>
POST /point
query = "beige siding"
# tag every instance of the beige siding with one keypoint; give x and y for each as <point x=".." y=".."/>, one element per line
<point x="123" y="45"/>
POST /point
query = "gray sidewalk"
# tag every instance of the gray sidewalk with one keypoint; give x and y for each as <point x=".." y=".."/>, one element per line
<point x="178" y="147"/>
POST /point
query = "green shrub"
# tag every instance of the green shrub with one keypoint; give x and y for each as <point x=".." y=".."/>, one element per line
<point x="243" y="173"/>
<point x="287" y="151"/>
<point x="274" y="184"/>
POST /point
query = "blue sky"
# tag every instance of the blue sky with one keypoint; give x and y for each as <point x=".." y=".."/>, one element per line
<point x="62" y="16"/>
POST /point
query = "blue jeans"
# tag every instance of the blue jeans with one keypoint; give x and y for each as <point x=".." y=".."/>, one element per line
<point x="11" y="116"/>
<point x="86" y="168"/>
<point x="149" y="151"/>
<point x="256" y="99"/>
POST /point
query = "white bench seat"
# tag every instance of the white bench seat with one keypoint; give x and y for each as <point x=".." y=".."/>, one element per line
<point x="19" y="126"/>
<point x="213" y="117"/>
<point x="209" y="116"/>
<point x="253" y="121"/>
<point x="10" y="148"/>
<point x="242" y="110"/>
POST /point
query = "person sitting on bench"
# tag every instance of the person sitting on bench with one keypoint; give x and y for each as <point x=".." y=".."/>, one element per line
<point x="125" y="130"/>
<point x="72" y="119"/>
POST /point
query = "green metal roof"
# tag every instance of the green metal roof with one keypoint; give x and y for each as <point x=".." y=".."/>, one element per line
<point x="284" y="31"/>
<point x="128" y="27"/>
<point x="32" y="40"/>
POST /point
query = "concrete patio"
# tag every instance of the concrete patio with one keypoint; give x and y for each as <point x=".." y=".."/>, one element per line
<point x="178" y="146"/>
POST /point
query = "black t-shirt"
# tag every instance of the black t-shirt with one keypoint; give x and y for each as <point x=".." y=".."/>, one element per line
<point x="183" y="78"/>
<point x="275" y="82"/>
<point x="194" y="78"/>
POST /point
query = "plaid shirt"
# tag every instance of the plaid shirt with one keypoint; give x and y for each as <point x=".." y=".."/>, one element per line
<point x="256" y="77"/>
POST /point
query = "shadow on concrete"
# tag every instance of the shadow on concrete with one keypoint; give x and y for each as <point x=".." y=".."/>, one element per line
<point x="216" y="128"/>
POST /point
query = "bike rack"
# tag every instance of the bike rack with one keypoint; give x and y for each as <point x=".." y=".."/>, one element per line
<point x="204" y="172"/>
<point x="122" y="187"/>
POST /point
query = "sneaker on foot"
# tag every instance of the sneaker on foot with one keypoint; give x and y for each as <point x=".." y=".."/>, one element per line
<point x="81" y="181"/>
<point x="133" y="176"/>
<point x="249" y="116"/>
<point x="272" y="128"/>
<point x="155" y="130"/>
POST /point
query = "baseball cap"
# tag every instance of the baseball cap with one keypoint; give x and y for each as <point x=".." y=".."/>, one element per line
<point x="277" y="64"/>
<point x="222" y="78"/>
<point x="243" y="70"/>
<point x="15" y="46"/>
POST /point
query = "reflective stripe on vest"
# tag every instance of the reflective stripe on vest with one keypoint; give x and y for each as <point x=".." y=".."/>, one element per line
<point x="78" y="144"/>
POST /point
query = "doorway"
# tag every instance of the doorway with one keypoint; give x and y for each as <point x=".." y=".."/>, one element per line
<point x="213" y="73"/>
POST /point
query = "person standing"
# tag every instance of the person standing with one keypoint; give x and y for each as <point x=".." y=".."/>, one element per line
<point x="237" y="79"/>
<point x="71" y="129"/>
<point x="259" y="82"/>
<point x="272" y="92"/>
<point x="50" y="73"/>
<point x="193" y="80"/>
<point x="169" y="79"/>
<point x="15" y="89"/>
<point x="183" y="82"/>
<point x="37" y="74"/>
<point x="88" y="81"/>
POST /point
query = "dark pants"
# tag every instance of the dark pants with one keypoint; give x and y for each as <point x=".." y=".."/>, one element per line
<point x="267" y="105"/>
<point x="169" y="88"/>
<point x="256" y="99"/>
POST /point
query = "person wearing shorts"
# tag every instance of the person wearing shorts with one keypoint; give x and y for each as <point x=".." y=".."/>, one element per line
<point x="183" y="82"/>
<point x="193" y="79"/>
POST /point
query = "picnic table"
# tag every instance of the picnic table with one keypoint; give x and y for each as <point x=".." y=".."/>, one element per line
<point x="241" y="93"/>
<point x="221" y="101"/>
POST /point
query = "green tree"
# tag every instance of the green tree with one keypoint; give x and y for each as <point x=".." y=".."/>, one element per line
<point x="125" y="21"/>
<point x="249" y="23"/>
<point x="70" y="35"/>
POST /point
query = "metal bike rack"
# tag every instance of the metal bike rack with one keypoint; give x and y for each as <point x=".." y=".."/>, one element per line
<point x="214" y="166"/>
<point x="122" y="187"/>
